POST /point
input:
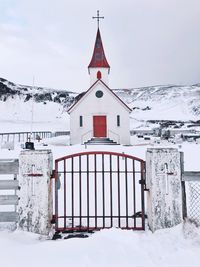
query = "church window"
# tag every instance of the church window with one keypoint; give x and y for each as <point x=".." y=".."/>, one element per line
<point x="99" y="94"/>
<point x="98" y="75"/>
<point x="81" y="121"/>
<point x="118" y="120"/>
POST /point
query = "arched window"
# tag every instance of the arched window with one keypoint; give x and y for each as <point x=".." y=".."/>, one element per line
<point x="98" y="75"/>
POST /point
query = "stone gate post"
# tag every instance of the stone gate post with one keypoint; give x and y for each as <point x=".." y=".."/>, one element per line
<point x="164" y="201"/>
<point x="36" y="201"/>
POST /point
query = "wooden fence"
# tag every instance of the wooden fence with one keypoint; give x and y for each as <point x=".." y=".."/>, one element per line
<point x="8" y="190"/>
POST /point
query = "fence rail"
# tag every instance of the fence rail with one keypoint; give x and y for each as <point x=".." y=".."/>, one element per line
<point x="11" y="216"/>
<point x="24" y="136"/>
<point x="9" y="185"/>
<point x="191" y="176"/>
<point x="9" y="166"/>
<point x="8" y="200"/>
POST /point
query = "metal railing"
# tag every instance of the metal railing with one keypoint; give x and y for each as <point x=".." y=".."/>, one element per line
<point x="114" y="136"/>
<point x="24" y="136"/>
<point x="60" y="133"/>
<point x="86" y="136"/>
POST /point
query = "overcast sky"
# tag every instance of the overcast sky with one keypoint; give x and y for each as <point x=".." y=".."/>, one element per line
<point x="147" y="42"/>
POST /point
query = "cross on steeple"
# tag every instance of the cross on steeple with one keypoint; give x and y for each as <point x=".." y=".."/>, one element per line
<point x="98" y="17"/>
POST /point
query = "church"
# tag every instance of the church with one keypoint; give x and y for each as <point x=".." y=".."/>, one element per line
<point x="99" y="116"/>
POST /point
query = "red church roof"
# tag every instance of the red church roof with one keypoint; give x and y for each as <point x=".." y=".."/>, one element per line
<point x="98" y="59"/>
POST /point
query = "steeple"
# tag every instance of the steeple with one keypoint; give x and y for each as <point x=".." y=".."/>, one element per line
<point x="98" y="58"/>
<point x="98" y="67"/>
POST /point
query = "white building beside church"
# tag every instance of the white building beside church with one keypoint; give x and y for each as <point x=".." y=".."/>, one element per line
<point x="99" y="114"/>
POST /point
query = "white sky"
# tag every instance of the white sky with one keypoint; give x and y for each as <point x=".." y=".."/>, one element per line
<point x="147" y="42"/>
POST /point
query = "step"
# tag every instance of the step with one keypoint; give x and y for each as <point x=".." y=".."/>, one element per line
<point x="100" y="138"/>
<point x="90" y="141"/>
<point x="100" y="141"/>
<point x="101" y="144"/>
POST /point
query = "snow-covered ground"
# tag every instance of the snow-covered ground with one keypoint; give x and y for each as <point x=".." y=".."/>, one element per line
<point x="60" y="147"/>
<point x="16" y="117"/>
<point x="179" y="246"/>
<point x="171" y="247"/>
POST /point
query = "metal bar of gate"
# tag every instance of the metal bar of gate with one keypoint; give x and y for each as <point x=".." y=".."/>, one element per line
<point x="65" y="193"/>
<point x="80" y="193"/>
<point x="103" y="190"/>
<point x="142" y="194"/>
<point x="134" y="196"/>
<point x="56" y="194"/>
<point x="111" y="194"/>
<point x="88" y="194"/>
<point x="72" y="180"/>
<point x="126" y="186"/>
<point x="95" y="188"/>
<point x="118" y="179"/>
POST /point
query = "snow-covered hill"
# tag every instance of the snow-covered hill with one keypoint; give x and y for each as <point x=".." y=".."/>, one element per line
<point x="161" y="103"/>
<point x="48" y="105"/>
<point x="149" y="104"/>
<point x="9" y="90"/>
<point x="164" y="102"/>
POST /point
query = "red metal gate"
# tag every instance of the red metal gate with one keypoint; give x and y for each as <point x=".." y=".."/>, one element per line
<point x="95" y="190"/>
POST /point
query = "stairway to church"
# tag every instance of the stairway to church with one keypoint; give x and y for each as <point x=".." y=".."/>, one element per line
<point x="100" y="141"/>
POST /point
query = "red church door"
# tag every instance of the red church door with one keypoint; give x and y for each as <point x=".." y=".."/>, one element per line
<point x="99" y="126"/>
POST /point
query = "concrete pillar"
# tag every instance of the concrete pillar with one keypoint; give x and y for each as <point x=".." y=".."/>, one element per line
<point x="36" y="200"/>
<point x="164" y="201"/>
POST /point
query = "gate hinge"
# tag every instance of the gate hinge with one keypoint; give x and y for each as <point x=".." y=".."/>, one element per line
<point x="53" y="174"/>
<point x="142" y="181"/>
<point x="53" y="220"/>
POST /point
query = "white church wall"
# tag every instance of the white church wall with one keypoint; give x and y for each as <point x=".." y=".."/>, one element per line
<point x="93" y="75"/>
<point x="109" y="106"/>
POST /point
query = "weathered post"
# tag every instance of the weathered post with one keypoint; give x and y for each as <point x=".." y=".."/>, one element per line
<point x="36" y="201"/>
<point x="164" y="201"/>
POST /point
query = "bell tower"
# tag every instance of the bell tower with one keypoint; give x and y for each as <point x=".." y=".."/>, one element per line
<point x="98" y="68"/>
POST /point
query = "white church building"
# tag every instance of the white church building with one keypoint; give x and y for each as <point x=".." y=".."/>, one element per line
<point x="99" y="115"/>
